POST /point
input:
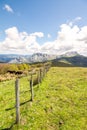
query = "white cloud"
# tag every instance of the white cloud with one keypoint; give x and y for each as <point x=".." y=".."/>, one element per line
<point x="75" y="20"/>
<point x="38" y="34"/>
<point x="69" y="38"/>
<point x="49" y="36"/>
<point x="12" y="33"/>
<point x="78" y="18"/>
<point x="8" y="8"/>
<point x="20" y="42"/>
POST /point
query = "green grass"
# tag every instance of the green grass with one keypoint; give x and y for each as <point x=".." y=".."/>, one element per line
<point x="60" y="102"/>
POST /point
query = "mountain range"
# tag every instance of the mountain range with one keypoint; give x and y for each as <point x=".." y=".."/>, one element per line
<point x="37" y="57"/>
<point x="67" y="59"/>
<point x="71" y="60"/>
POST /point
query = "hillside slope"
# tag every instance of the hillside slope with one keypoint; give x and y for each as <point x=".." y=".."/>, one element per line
<point x="77" y="60"/>
<point x="67" y="61"/>
<point x="60" y="102"/>
<point x="61" y="63"/>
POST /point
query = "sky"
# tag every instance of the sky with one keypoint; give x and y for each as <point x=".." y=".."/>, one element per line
<point x="46" y="26"/>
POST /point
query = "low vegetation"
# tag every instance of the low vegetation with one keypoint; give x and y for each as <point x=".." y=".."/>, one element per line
<point x="4" y="68"/>
<point x="60" y="102"/>
<point x="11" y="71"/>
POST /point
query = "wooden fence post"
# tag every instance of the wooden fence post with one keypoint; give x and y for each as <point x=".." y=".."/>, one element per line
<point x="40" y="75"/>
<point x="44" y="71"/>
<point x="31" y="88"/>
<point x="17" y="101"/>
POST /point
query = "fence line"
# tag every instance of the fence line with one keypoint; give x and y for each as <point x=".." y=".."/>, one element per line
<point x="41" y="73"/>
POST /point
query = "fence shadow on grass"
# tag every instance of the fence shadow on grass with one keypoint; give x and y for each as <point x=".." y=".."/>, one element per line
<point x="8" y="109"/>
<point x="10" y="128"/>
<point x="25" y="102"/>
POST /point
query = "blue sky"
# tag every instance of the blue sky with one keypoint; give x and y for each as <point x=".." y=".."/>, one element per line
<point x="41" y="16"/>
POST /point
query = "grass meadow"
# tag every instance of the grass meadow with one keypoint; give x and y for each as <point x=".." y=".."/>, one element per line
<point x="60" y="102"/>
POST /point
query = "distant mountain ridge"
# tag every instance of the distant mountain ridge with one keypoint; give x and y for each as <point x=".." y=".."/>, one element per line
<point x="67" y="59"/>
<point x="70" y="54"/>
<point x="71" y="59"/>
<point x="13" y="58"/>
<point x="40" y="57"/>
<point x="37" y="57"/>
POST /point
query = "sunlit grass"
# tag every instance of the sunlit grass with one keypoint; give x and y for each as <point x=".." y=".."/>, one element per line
<point x="60" y="102"/>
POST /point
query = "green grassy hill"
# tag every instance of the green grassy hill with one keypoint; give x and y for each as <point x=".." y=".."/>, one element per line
<point x="67" y="61"/>
<point x="61" y="63"/>
<point x="60" y="102"/>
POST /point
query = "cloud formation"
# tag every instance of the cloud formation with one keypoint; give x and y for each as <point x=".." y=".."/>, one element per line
<point x="20" y="42"/>
<point x="69" y="38"/>
<point x="8" y="8"/>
